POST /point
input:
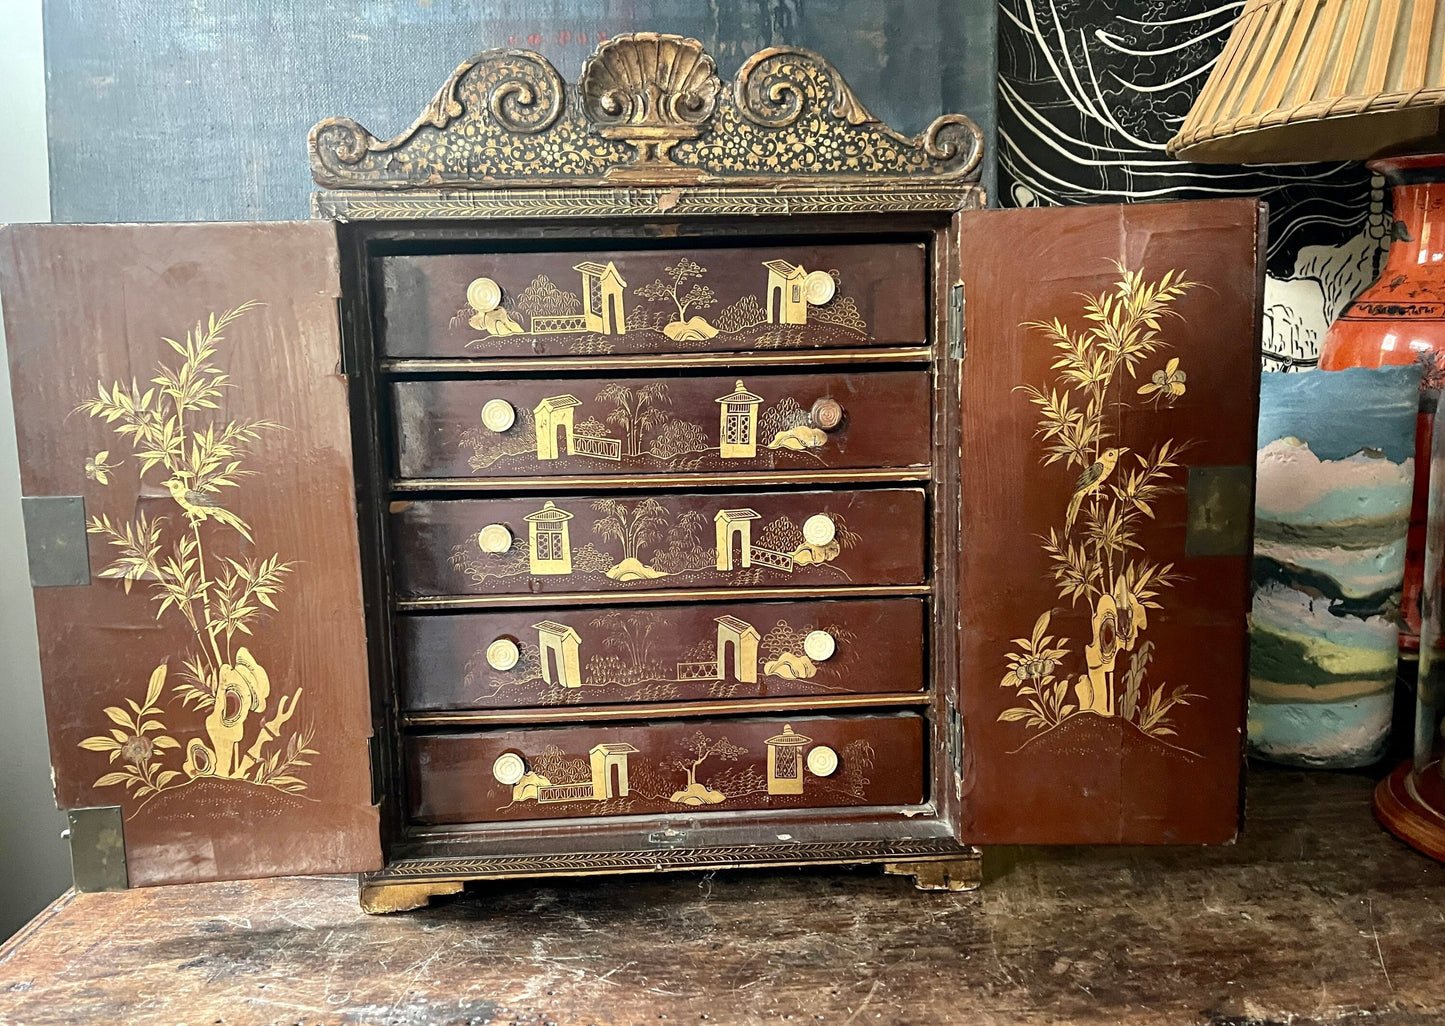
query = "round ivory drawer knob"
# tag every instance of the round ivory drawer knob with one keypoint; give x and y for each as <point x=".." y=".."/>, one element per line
<point x="484" y="295"/>
<point x="503" y="654"/>
<point x="494" y="538"/>
<point x="822" y="761"/>
<point x="819" y="645"/>
<point x="826" y="414"/>
<point x="818" y="287"/>
<point x="509" y="768"/>
<point x="818" y="529"/>
<point x="498" y="415"/>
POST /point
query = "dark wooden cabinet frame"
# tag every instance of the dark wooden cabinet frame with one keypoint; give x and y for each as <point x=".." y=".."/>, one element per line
<point x="435" y="859"/>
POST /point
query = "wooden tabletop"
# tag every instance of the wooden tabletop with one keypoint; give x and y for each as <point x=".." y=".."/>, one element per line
<point x="1316" y="916"/>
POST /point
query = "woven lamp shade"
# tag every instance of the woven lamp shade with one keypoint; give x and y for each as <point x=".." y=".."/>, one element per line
<point x="1303" y="80"/>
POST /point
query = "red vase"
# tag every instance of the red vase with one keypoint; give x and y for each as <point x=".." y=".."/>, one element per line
<point x="1401" y="319"/>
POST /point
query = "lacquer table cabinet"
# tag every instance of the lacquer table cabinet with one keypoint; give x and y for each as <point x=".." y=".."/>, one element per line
<point x="647" y="473"/>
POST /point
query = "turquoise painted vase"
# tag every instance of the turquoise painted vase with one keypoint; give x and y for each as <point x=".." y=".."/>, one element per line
<point x="1336" y="473"/>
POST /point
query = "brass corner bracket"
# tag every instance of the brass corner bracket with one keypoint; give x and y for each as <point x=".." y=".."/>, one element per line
<point x="648" y="109"/>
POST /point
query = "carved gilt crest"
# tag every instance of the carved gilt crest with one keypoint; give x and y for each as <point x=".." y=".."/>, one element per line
<point x="648" y="109"/>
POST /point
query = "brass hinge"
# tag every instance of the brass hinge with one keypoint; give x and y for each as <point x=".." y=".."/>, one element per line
<point x="55" y="541"/>
<point x="956" y="343"/>
<point x="97" y="848"/>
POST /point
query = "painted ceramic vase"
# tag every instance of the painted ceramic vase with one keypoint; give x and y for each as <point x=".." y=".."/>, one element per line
<point x="1401" y="319"/>
<point x="1336" y="470"/>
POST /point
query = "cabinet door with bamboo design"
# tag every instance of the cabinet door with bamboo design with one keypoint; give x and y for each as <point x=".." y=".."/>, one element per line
<point x="186" y="467"/>
<point x="1107" y="439"/>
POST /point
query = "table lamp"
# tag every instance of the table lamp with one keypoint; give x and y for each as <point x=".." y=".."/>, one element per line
<point x="1312" y="80"/>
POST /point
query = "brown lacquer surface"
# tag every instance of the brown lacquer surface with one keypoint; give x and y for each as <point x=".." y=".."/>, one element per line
<point x="624" y="424"/>
<point x="1103" y="650"/>
<point x="663" y="653"/>
<point x="633" y="542"/>
<point x="210" y="677"/>
<point x="698" y="766"/>
<point x="693" y="299"/>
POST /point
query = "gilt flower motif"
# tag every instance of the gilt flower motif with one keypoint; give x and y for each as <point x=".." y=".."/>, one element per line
<point x="1167" y="385"/>
<point x="98" y="467"/>
<point x="137" y="749"/>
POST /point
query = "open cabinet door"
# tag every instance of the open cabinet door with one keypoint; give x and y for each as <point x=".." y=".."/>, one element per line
<point x="1109" y="399"/>
<point x="186" y="473"/>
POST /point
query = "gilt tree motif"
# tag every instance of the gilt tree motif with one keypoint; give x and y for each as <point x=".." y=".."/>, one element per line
<point x="643" y="524"/>
<point x="671" y="286"/>
<point x="702" y="748"/>
<point x="636" y="410"/>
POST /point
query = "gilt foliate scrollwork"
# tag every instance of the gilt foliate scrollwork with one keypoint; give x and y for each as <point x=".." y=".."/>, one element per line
<point x="502" y="115"/>
<point x="525" y="103"/>
<point x="649" y="109"/>
<point x="792" y="113"/>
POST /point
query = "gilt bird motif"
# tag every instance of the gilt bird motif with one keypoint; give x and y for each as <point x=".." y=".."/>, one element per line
<point x="1090" y="481"/>
<point x="199" y="506"/>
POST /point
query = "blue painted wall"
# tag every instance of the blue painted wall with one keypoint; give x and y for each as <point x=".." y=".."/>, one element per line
<point x="199" y="111"/>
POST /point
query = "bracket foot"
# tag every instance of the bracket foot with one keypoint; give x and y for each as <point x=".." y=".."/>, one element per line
<point x="963" y="874"/>
<point x="378" y="899"/>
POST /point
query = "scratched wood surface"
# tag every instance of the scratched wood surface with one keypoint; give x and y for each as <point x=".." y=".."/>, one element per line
<point x="1316" y="916"/>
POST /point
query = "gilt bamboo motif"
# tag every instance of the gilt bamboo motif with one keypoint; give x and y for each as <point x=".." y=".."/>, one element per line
<point x="1097" y="558"/>
<point x="195" y="570"/>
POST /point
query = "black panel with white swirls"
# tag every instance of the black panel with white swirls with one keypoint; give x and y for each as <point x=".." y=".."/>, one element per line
<point x="1089" y="92"/>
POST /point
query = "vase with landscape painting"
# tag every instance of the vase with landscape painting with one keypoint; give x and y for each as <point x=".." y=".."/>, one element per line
<point x="1332" y="511"/>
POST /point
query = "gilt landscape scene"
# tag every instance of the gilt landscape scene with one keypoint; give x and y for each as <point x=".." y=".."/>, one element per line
<point x="634" y="541"/>
<point x="637" y="301"/>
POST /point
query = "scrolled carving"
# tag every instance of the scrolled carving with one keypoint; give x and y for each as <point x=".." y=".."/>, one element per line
<point x="792" y="113"/>
<point x="649" y="109"/>
<point x="341" y="139"/>
<point x="956" y="140"/>
<point x="770" y="91"/>
<point x="501" y="116"/>
<point x="528" y="96"/>
<point x="347" y="142"/>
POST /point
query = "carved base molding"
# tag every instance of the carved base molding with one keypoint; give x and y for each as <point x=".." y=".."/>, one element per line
<point x="416" y="880"/>
<point x="376" y="205"/>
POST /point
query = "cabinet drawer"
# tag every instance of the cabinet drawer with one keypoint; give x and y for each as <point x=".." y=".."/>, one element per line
<point x="653" y="301"/>
<point x="683" y="766"/>
<point x="527" y="427"/>
<point x="555" y="657"/>
<point x="527" y="546"/>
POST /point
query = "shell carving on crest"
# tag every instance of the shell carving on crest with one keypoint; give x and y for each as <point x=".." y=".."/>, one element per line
<point x="650" y="90"/>
<point x="652" y="80"/>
